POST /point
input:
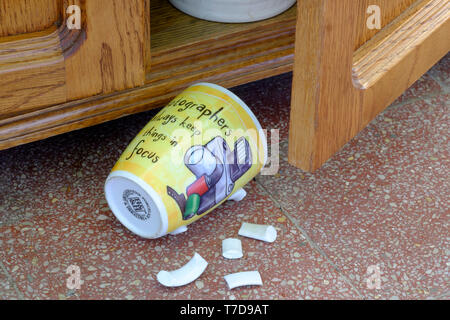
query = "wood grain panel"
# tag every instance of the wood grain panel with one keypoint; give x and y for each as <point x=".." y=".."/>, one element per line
<point x="49" y="67"/>
<point x="24" y="16"/>
<point x="32" y="73"/>
<point x="384" y="69"/>
<point x="390" y="10"/>
<point x="147" y="37"/>
<point x="231" y="57"/>
<point x="374" y="59"/>
<point x="113" y="56"/>
<point x="172" y="29"/>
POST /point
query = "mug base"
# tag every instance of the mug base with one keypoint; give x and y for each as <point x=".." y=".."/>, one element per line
<point x="137" y="206"/>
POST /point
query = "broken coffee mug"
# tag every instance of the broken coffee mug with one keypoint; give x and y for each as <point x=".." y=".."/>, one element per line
<point x="197" y="152"/>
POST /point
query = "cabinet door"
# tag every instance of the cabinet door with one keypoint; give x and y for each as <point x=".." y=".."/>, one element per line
<point x="346" y="72"/>
<point x="54" y="51"/>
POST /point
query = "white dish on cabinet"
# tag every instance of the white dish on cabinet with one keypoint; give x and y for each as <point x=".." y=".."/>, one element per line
<point x="233" y="11"/>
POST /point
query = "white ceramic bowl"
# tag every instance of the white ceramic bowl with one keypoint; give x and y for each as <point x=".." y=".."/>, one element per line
<point x="233" y="10"/>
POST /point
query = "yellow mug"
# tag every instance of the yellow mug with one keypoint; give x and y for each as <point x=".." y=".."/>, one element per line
<point x="197" y="152"/>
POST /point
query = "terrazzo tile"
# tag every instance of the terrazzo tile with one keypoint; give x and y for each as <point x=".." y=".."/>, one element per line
<point x="382" y="200"/>
<point x="115" y="264"/>
<point x="7" y="291"/>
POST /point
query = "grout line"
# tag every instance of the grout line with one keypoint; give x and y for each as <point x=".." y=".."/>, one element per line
<point x="308" y="239"/>
<point x="443" y="86"/>
<point x="416" y="99"/>
<point x="11" y="281"/>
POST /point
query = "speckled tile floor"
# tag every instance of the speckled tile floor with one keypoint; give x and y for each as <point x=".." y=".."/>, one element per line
<point x="382" y="202"/>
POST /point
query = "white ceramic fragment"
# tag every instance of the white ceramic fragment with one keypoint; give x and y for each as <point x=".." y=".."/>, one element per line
<point x="238" y="195"/>
<point x="232" y="248"/>
<point x="247" y="278"/>
<point x="179" y="230"/>
<point x="258" y="231"/>
<point x="186" y="274"/>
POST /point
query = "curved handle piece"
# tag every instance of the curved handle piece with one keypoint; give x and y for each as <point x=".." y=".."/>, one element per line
<point x="184" y="275"/>
<point x="258" y="232"/>
<point x="247" y="278"/>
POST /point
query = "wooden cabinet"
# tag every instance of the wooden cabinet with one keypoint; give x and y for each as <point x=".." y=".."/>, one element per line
<point x="346" y="73"/>
<point x="133" y="55"/>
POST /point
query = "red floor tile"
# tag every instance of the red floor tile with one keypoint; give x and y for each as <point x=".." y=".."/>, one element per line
<point x="441" y="72"/>
<point x="381" y="200"/>
<point x="118" y="265"/>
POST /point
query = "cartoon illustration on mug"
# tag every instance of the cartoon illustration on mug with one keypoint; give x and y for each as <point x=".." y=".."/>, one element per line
<point x="216" y="169"/>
